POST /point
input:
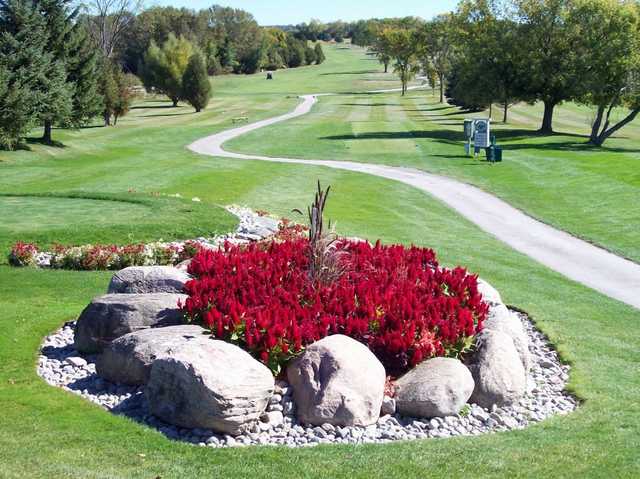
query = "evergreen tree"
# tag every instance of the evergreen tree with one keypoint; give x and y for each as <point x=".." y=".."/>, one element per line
<point x="59" y="22"/>
<point x="27" y="70"/>
<point x="195" y="83"/>
<point x="84" y="73"/>
<point x="320" y="58"/>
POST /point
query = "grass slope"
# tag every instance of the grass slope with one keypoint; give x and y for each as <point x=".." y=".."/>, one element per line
<point x="46" y="432"/>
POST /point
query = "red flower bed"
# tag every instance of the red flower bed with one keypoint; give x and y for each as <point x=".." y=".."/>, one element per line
<point x="396" y="300"/>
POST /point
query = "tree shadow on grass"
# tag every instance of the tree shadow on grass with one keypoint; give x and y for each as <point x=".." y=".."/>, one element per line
<point x="357" y="72"/>
<point x="40" y="141"/>
<point x="150" y="107"/>
<point x="368" y="104"/>
<point x="158" y="115"/>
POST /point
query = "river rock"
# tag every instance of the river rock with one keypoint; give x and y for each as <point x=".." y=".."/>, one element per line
<point x="110" y="316"/>
<point x="497" y="370"/>
<point x="437" y="387"/>
<point x="149" y="279"/>
<point x="128" y="359"/>
<point x="337" y="380"/>
<point x="210" y="385"/>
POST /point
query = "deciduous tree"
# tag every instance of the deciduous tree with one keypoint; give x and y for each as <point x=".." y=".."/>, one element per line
<point x="195" y="83"/>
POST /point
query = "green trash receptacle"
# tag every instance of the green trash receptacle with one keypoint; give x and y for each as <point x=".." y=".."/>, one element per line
<point x="497" y="154"/>
<point x="490" y="153"/>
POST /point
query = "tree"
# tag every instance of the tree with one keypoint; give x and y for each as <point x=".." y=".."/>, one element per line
<point x="83" y="72"/>
<point x="382" y="48"/>
<point x="548" y="44"/>
<point x="116" y="90"/>
<point x="309" y="55"/>
<point x="488" y="58"/>
<point x="320" y="58"/>
<point x="164" y="66"/>
<point x="610" y="62"/>
<point x="24" y="63"/>
<point x="196" y="84"/>
<point x="402" y="47"/>
<point x="110" y="20"/>
<point x="436" y="40"/>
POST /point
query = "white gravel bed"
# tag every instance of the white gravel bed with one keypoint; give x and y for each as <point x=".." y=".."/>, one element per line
<point x="60" y="365"/>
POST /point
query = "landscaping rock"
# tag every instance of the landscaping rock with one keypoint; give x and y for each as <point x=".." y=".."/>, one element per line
<point x="210" y="385"/>
<point x="437" y="387"/>
<point x="497" y="370"/>
<point x="148" y="279"/>
<point x="337" y="381"/>
<point x="128" y="359"/>
<point x="488" y="292"/>
<point x="501" y="319"/>
<point x="113" y="315"/>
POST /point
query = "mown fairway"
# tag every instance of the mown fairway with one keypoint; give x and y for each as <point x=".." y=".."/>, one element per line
<point x="590" y="192"/>
<point x="45" y="432"/>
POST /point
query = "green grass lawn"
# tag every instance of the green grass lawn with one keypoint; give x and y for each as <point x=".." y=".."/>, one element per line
<point x="46" y="432"/>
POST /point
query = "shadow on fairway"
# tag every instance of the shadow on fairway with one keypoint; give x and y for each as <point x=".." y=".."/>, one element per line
<point x="152" y="107"/>
<point x="358" y="72"/>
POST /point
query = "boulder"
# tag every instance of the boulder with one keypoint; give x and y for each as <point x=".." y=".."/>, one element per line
<point x="210" y="385"/>
<point x="501" y="319"/>
<point x="437" y="387"/>
<point x="149" y="279"/>
<point x="128" y="359"/>
<point x="110" y="316"/>
<point x="488" y="292"/>
<point x="497" y="370"/>
<point x="337" y="380"/>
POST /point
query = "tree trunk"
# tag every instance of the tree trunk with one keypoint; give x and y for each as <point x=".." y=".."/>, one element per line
<point x="115" y="120"/>
<point x="607" y="132"/>
<point x="547" y="119"/>
<point x="175" y="101"/>
<point x="490" y="109"/>
<point x="46" y="137"/>
<point x="505" y="114"/>
<point x="597" y="123"/>
<point x="441" y="78"/>
<point x="107" y="118"/>
<point x="386" y="67"/>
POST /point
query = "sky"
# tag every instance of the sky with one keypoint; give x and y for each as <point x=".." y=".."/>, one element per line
<point x="285" y="12"/>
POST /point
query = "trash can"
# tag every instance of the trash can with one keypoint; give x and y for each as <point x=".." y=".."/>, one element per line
<point x="497" y="154"/>
<point x="490" y="153"/>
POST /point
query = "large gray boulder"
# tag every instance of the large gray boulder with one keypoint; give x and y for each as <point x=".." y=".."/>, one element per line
<point x="337" y="380"/>
<point x="149" y="279"/>
<point x="497" y="371"/>
<point x="488" y="292"/>
<point x="437" y="387"/>
<point x="110" y="316"/>
<point x="128" y="359"/>
<point x="501" y="319"/>
<point x="210" y="385"/>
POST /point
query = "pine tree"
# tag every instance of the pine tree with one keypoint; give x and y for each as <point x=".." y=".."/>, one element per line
<point x="320" y="58"/>
<point x="83" y="72"/>
<point x="27" y="69"/>
<point x="57" y="108"/>
<point x="195" y="83"/>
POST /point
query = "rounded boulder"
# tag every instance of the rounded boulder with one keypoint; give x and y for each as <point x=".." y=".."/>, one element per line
<point x="209" y="385"/>
<point x="436" y="387"/>
<point x="110" y="316"/>
<point x="339" y="381"/>
<point x="128" y="359"/>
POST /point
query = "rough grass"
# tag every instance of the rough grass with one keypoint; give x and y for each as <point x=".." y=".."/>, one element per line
<point x="46" y="432"/>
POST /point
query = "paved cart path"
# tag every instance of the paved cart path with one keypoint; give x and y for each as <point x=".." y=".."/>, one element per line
<point x="574" y="258"/>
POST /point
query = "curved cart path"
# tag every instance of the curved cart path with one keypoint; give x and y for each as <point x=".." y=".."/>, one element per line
<point x="574" y="258"/>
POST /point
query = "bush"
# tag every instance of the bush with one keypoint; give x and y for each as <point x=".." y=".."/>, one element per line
<point x="396" y="300"/>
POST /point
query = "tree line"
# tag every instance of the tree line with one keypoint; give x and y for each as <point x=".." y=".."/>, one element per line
<point x="504" y="52"/>
<point x="63" y="64"/>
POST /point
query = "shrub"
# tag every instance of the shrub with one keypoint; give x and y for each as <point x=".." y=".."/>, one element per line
<point x="23" y="254"/>
<point x="396" y="300"/>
